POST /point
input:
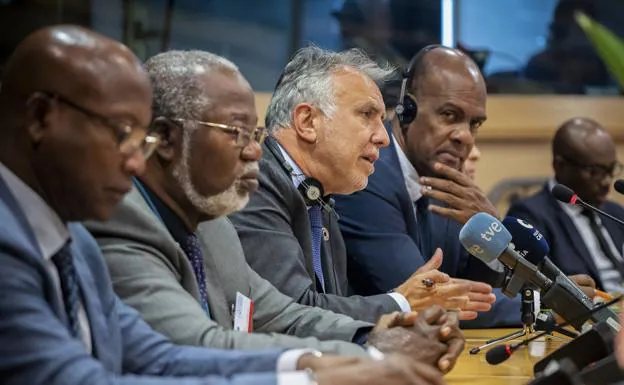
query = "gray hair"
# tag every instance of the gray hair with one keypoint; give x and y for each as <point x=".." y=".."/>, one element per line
<point x="308" y="77"/>
<point x="173" y="74"/>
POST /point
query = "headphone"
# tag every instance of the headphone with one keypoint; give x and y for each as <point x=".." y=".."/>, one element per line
<point x="407" y="109"/>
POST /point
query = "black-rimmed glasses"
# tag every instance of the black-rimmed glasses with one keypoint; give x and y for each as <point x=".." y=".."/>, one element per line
<point x="129" y="139"/>
<point x="597" y="171"/>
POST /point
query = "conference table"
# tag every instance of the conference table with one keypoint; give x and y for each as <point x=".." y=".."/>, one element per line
<point x="517" y="370"/>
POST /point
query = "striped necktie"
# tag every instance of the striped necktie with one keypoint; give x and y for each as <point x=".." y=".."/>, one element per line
<point x="64" y="263"/>
<point x="194" y="254"/>
<point x="316" y="223"/>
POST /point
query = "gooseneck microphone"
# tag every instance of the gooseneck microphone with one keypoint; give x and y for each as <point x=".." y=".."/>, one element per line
<point x="501" y="353"/>
<point x="619" y="186"/>
<point x="566" y="195"/>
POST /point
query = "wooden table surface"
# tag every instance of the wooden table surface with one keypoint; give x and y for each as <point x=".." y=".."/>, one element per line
<point x="517" y="370"/>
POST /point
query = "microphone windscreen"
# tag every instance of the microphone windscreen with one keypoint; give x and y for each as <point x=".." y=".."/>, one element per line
<point x="562" y="193"/>
<point x="498" y="354"/>
<point x="527" y="240"/>
<point x="484" y="237"/>
<point x="619" y="186"/>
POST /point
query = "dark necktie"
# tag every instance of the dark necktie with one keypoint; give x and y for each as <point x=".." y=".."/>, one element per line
<point x="194" y="254"/>
<point x="602" y="241"/>
<point x="64" y="263"/>
<point x="422" y="223"/>
<point x="316" y="223"/>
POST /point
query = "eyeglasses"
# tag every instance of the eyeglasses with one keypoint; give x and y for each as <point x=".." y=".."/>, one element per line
<point x="129" y="139"/>
<point x="242" y="136"/>
<point x="597" y="171"/>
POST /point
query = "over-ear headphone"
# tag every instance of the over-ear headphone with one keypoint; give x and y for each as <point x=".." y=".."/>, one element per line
<point x="407" y="109"/>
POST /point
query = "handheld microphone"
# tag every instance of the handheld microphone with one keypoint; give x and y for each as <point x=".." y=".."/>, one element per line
<point x="532" y="245"/>
<point x="619" y="186"/>
<point x="564" y="194"/>
<point x="501" y="353"/>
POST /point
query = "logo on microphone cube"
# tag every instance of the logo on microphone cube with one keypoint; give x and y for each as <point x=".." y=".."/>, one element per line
<point x="523" y="253"/>
<point x="524" y="224"/>
<point x="491" y="231"/>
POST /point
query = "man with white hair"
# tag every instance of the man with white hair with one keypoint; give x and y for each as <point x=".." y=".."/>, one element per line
<point x="173" y="255"/>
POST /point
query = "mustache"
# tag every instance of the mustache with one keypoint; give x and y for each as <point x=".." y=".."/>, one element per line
<point x="251" y="166"/>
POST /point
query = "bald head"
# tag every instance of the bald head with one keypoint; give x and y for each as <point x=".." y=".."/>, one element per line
<point x="71" y="101"/>
<point x="68" y="60"/>
<point x="443" y="65"/>
<point x="584" y="158"/>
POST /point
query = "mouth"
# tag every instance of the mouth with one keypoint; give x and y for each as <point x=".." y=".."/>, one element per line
<point x="450" y="159"/>
<point x="371" y="158"/>
<point x="249" y="181"/>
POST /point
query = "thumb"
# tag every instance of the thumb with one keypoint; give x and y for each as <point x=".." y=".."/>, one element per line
<point x="432" y="264"/>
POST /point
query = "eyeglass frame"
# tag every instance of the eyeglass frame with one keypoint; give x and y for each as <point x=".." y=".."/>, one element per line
<point x="617" y="168"/>
<point x="240" y="132"/>
<point x="121" y="130"/>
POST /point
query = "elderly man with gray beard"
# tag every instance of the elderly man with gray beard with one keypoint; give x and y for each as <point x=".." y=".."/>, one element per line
<point x="176" y="258"/>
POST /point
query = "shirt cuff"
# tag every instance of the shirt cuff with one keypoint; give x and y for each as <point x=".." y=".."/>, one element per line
<point x="287" y="361"/>
<point x="401" y="301"/>
<point x="293" y="378"/>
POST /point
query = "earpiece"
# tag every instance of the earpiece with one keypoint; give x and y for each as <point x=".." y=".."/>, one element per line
<point x="407" y="109"/>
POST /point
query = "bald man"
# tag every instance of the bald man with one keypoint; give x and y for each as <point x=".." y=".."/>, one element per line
<point x="584" y="159"/>
<point x="74" y="108"/>
<point x="392" y="228"/>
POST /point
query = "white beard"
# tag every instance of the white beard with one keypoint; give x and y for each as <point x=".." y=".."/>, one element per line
<point x="224" y="203"/>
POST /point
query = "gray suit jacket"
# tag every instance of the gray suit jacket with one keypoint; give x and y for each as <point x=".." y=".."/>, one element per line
<point x="274" y="229"/>
<point x="151" y="273"/>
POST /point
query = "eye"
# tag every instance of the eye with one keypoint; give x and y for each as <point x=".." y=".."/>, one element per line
<point x="368" y="114"/>
<point x="475" y="125"/>
<point x="449" y="115"/>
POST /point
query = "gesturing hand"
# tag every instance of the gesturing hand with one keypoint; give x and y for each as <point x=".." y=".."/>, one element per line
<point x="458" y="191"/>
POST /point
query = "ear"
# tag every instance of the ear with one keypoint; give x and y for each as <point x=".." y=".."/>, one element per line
<point x="558" y="163"/>
<point x="306" y="120"/>
<point x="170" y="147"/>
<point x="38" y="120"/>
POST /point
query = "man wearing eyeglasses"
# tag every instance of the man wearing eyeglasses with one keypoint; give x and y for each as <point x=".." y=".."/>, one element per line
<point x="176" y="258"/>
<point x="584" y="159"/>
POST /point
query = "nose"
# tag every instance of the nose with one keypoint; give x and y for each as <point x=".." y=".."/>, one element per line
<point x="380" y="136"/>
<point x="463" y="136"/>
<point x="134" y="164"/>
<point x="252" y="152"/>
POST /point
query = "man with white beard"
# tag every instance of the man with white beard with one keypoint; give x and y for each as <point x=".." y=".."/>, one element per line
<point x="176" y="258"/>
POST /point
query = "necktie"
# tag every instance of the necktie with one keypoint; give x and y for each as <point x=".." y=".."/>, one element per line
<point x="422" y="223"/>
<point x="602" y="241"/>
<point x="194" y="254"/>
<point x="70" y="290"/>
<point x="316" y="223"/>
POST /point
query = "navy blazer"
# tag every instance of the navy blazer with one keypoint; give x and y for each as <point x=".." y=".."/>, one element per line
<point x="567" y="249"/>
<point x="37" y="349"/>
<point x="380" y="231"/>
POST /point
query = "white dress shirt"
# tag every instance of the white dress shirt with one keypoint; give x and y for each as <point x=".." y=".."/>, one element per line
<point x="610" y="277"/>
<point x="51" y="235"/>
<point x="297" y="177"/>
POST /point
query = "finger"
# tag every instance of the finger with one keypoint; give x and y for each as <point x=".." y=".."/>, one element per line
<point x="478" y="287"/>
<point x="455" y="303"/>
<point x="466" y="315"/>
<point x="452" y="290"/>
<point x="477" y="306"/>
<point x="433" y="314"/>
<point x="404" y="319"/>
<point x="425" y="374"/>
<point x="434" y="263"/>
<point x="387" y="321"/>
<point x="450" y="213"/>
<point x="479" y="297"/>
<point x="436" y="276"/>
<point x="450" y="198"/>
<point x="583" y="280"/>
<point x="449" y="359"/>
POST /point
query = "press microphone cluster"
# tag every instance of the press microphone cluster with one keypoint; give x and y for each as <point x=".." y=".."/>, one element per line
<point x="486" y="238"/>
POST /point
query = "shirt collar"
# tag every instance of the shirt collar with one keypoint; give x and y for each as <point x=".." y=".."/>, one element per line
<point x="49" y="230"/>
<point x="409" y="173"/>
<point x="297" y="175"/>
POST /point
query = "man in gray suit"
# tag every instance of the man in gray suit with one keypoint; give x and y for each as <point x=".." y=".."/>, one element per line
<point x="326" y="122"/>
<point x="186" y="274"/>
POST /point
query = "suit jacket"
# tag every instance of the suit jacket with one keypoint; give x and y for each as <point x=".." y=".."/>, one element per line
<point x="36" y="347"/>
<point x="274" y="229"/>
<point x="151" y="273"/>
<point x="380" y="232"/>
<point x="567" y="249"/>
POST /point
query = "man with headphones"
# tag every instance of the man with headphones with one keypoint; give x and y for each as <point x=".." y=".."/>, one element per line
<point x="326" y="124"/>
<point x="419" y="197"/>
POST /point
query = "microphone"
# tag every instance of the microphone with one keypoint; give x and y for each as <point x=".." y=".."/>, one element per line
<point x="532" y="245"/>
<point x="501" y="353"/>
<point x="564" y="194"/>
<point x="619" y="186"/>
<point x="485" y="237"/>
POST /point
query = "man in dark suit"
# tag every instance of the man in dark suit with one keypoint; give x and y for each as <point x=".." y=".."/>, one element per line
<point x="388" y="229"/>
<point x="74" y="108"/>
<point x="581" y="242"/>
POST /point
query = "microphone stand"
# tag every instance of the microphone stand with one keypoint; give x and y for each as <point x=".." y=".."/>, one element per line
<point x="528" y="323"/>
